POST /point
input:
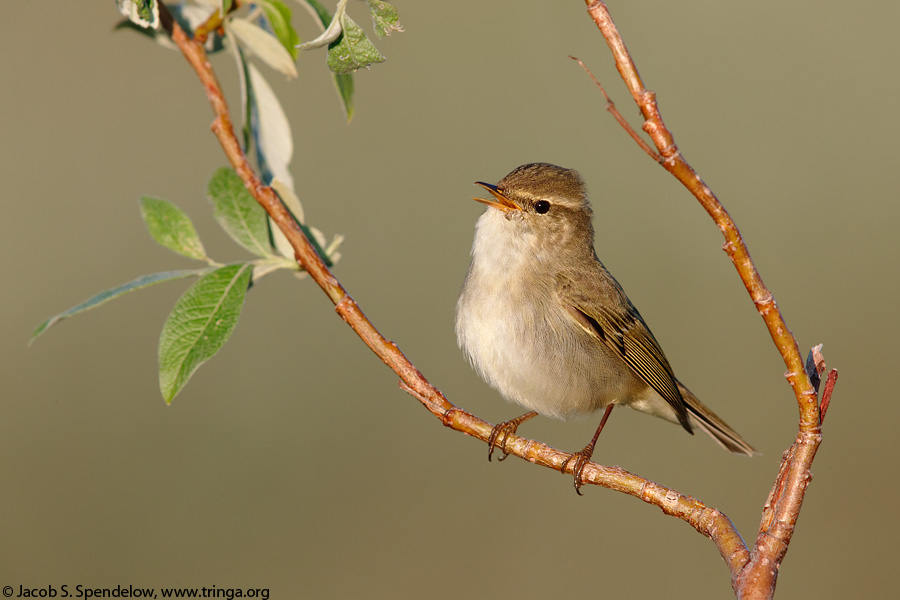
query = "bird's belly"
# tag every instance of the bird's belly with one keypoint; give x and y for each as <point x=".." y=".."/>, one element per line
<point x="540" y="359"/>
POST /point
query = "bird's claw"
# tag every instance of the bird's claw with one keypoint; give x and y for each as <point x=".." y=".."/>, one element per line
<point x="582" y="458"/>
<point x="506" y="428"/>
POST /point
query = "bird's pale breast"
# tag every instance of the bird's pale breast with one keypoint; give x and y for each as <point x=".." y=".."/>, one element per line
<point x="521" y="340"/>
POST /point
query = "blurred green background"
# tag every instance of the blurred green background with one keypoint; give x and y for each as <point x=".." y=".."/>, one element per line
<point x="292" y="461"/>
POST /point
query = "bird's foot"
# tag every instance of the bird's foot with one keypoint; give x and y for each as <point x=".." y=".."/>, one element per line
<point x="506" y="428"/>
<point x="581" y="458"/>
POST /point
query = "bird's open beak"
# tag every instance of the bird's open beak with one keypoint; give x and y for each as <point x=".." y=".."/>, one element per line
<point x="501" y="202"/>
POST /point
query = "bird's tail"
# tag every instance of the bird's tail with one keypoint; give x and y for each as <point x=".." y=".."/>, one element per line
<point x="717" y="429"/>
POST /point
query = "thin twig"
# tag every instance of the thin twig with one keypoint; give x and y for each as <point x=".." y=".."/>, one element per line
<point x="214" y="22"/>
<point x="707" y="521"/>
<point x="611" y="107"/>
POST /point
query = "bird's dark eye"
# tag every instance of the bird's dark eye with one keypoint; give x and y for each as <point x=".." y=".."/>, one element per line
<point x="541" y="207"/>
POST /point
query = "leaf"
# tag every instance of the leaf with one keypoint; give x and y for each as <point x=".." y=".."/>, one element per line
<point x="140" y="12"/>
<point x="238" y="213"/>
<point x="279" y="17"/>
<point x="262" y="43"/>
<point x="200" y="324"/>
<point x="107" y="295"/>
<point x="243" y="75"/>
<point x="171" y="227"/>
<point x="343" y="82"/>
<point x="352" y="50"/>
<point x="266" y="127"/>
<point x="384" y="17"/>
<point x="292" y="202"/>
<point x="270" y="128"/>
<point x="318" y="241"/>
<point x="332" y="250"/>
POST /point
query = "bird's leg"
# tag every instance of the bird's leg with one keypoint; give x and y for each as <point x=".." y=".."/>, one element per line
<point x="507" y="428"/>
<point x="584" y="456"/>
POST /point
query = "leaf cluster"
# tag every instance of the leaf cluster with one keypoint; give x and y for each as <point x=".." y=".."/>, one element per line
<point x="204" y="317"/>
<point x="264" y="29"/>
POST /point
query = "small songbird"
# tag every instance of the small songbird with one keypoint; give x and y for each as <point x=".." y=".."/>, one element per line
<point x="544" y="323"/>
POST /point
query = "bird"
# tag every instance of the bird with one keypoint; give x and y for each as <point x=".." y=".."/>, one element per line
<point x="543" y="321"/>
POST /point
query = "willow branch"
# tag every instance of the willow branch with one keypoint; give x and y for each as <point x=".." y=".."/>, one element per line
<point x="706" y="520"/>
<point x="755" y="579"/>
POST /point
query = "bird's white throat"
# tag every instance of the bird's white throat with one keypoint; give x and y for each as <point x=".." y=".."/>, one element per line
<point x="502" y="248"/>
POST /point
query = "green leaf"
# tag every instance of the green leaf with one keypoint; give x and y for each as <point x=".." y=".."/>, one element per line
<point x="107" y="295"/>
<point x="352" y="50"/>
<point x="343" y="82"/>
<point x="140" y="12"/>
<point x="238" y="213"/>
<point x="384" y="17"/>
<point x="279" y="17"/>
<point x="246" y="104"/>
<point x="171" y="227"/>
<point x="200" y="324"/>
<point x="263" y="44"/>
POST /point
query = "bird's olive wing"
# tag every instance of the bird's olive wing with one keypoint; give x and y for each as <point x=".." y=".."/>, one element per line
<point x="601" y="308"/>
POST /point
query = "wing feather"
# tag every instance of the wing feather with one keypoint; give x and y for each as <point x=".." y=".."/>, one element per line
<point x="623" y="330"/>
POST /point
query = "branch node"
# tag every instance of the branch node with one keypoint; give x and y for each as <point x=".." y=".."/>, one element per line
<point x="526" y="452"/>
<point x="449" y="416"/>
<point x="671" y="154"/>
<point x="763" y="302"/>
<point x="643" y="494"/>
<point x="344" y="305"/>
